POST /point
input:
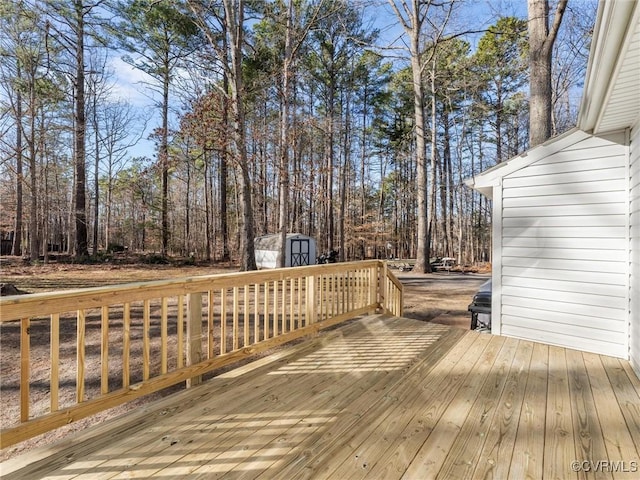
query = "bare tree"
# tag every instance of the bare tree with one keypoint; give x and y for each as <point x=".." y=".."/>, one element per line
<point x="97" y="89"/>
<point x="413" y="15"/>
<point x="70" y="29"/>
<point x="116" y="135"/>
<point x="161" y="35"/>
<point x="80" y="125"/>
<point x="229" y="23"/>
<point x="234" y="19"/>
<point x="11" y="74"/>
<point x="30" y="89"/>
<point x="570" y="57"/>
<point x="295" y="36"/>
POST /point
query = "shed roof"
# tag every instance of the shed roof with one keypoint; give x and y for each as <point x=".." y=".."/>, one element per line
<point x="272" y="241"/>
<point x="611" y="95"/>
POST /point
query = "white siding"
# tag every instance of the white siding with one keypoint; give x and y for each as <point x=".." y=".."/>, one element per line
<point x="635" y="248"/>
<point x="565" y="265"/>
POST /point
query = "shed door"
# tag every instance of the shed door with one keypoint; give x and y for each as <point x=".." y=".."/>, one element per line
<point x="299" y="252"/>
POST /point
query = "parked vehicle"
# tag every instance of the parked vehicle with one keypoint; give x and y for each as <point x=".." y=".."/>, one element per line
<point x="402" y="265"/>
<point x="328" y="257"/>
<point x="480" y="308"/>
<point x="445" y="263"/>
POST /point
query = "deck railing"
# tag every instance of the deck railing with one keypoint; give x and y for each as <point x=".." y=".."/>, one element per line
<point x="125" y="341"/>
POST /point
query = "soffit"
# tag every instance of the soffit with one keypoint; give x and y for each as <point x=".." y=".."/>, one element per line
<point x="611" y="94"/>
<point x="622" y="105"/>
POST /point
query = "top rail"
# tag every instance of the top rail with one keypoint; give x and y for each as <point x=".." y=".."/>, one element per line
<point x="15" y="307"/>
<point x="109" y="345"/>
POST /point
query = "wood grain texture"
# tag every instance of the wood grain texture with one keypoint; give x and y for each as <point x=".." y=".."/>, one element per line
<point x="378" y="397"/>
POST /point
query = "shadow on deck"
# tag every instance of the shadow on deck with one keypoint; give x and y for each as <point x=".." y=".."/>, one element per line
<point x="380" y="397"/>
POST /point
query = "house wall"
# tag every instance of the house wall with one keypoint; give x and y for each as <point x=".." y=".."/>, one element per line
<point x="634" y="187"/>
<point x="563" y="274"/>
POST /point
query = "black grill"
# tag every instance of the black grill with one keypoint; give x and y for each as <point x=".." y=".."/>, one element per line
<point x="481" y="304"/>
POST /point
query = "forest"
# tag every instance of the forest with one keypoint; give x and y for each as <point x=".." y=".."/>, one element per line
<point x="354" y="122"/>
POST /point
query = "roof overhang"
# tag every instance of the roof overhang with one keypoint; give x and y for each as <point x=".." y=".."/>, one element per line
<point x="487" y="180"/>
<point x="611" y="94"/>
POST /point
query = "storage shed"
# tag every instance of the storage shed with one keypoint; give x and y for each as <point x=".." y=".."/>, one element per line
<point x="566" y="214"/>
<point x="301" y="250"/>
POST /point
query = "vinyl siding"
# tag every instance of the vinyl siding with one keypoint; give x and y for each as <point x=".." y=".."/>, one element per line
<point x="564" y="273"/>
<point x="634" y="238"/>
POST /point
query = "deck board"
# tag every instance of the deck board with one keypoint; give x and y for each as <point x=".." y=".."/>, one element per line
<point x="623" y="387"/>
<point x="559" y="450"/>
<point x="528" y="450"/>
<point x="617" y="437"/>
<point x="462" y="457"/>
<point x="496" y="455"/>
<point x="377" y="398"/>
<point x="588" y="435"/>
<point x="398" y="421"/>
<point x="362" y="416"/>
<point x="447" y="423"/>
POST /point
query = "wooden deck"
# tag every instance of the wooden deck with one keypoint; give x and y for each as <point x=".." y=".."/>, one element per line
<point x="381" y="398"/>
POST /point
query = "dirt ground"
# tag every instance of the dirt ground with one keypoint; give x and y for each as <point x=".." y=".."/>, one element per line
<point x="439" y="297"/>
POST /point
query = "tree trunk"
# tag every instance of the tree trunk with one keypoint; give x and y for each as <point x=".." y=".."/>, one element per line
<point x="499" y="121"/>
<point x="434" y="166"/>
<point x="164" y="157"/>
<point x="186" y="243"/>
<point x="363" y="187"/>
<point x="283" y="214"/>
<point x="108" y="207"/>
<point x="541" y="41"/>
<point x="343" y="180"/>
<point x="330" y="163"/>
<point x="33" y="180"/>
<point x="16" y="247"/>
<point x="422" y="255"/>
<point x="207" y="204"/>
<point x="81" y="249"/>
<point x="223" y="173"/>
<point x="96" y="179"/>
<point x="234" y="14"/>
<point x="412" y="16"/>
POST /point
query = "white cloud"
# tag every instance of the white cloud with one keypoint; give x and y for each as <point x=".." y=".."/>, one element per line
<point x="131" y="84"/>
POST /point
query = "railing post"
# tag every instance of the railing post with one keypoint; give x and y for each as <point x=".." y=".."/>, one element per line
<point x="384" y="288"/>
<point x="25" y="348"/>
<point x="311" y="300"/>
<point x="373" y="284"/>
<point x="194" y="334"/>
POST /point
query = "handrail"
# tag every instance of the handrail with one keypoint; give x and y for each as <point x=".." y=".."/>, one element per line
<point x="152" y="335"/>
